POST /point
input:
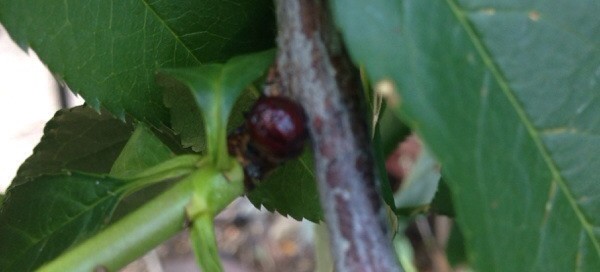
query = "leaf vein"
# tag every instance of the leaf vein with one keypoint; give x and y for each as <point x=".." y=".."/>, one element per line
<point x="171" y="30"/>
<point x="460" y="15"/>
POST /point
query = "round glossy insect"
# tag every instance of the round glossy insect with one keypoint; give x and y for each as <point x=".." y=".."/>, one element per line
<point x="274" y="131"/>
<point x="277" y="127"/>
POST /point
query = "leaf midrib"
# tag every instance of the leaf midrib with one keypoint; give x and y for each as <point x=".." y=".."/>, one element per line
<point x="504" y="86"/>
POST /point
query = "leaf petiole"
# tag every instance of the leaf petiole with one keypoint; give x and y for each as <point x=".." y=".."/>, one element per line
<point x="176" y="167"/>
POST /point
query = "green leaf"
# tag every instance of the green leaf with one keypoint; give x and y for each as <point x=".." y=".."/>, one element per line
<point x="77" y="139"/>
<point x="43" y="217"/>
<point x="505" y="93"/>
<point x="215" y="88"/>
<point x="290" y="190"/>
<point x="63" y="208"/>
<point x="186" y="118"/>
<point x="442" y="201"/>
<point x="108" y="51"/>
<point x="392" y="131"/>
<point x="129" y="238"/>
<point x="455" y="248"/>
<point x="142" y="151"/>
<point x="385" y="186"/>
<point x="45" y="214"/>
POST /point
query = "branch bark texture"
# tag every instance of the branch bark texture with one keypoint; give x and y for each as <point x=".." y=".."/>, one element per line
<point x="314" y="69"/>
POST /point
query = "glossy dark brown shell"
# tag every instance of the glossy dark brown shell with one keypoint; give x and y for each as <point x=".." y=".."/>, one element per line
<point x="277" y="127"/>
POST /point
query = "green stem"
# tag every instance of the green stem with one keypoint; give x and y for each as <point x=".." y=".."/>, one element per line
<point x="216" y="139"/>
<point x="212" y="193"/>
<point x="174" y="168"/>
<point x="131" y="237"/>
<point x="199" y="196"/>
<point x="205" y="243"/>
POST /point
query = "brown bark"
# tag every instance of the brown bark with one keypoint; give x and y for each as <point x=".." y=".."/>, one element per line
<point x="313" y="68"/>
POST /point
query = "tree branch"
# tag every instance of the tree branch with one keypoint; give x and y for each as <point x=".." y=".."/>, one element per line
<point x="313" y="68"/>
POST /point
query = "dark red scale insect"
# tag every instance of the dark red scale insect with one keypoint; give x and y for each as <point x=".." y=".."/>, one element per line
<point x="274" y="131"/>
<point x="277" y="127"/>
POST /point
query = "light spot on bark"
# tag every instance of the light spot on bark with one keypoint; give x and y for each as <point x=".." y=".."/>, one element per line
<point x="534" y="15"/>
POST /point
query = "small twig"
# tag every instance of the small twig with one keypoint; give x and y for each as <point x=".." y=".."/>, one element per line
<point x="314" y="69"/>
<point x="435" y="252"/>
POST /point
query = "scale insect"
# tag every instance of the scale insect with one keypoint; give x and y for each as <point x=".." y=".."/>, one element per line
<point x="274" y="131"/>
